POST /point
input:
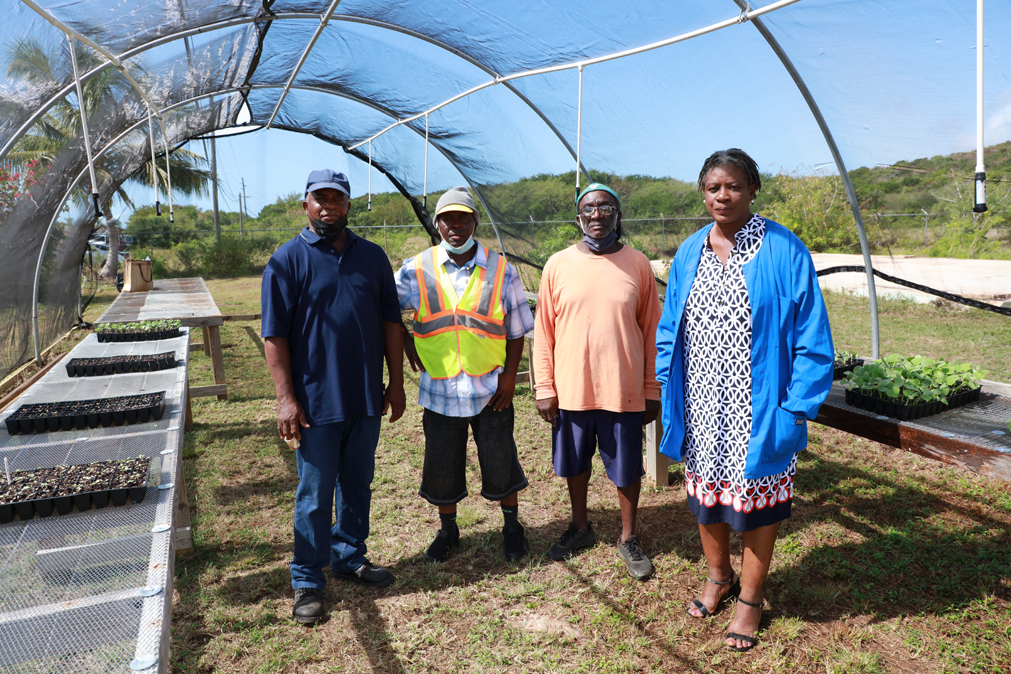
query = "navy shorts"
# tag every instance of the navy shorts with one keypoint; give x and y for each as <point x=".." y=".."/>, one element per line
<point x="618" y="435"/>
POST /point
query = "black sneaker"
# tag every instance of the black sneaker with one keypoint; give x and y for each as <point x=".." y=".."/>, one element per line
<point x="443" y="545"/>
<point x="636" y="561"/>
<point x="514" y="543"/>
<point x="367" y="574"/>
<point x="308" y="605"/>
<point x="572" y="540"/>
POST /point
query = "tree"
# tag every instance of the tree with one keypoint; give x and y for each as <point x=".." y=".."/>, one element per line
<point x="62" y="125"/>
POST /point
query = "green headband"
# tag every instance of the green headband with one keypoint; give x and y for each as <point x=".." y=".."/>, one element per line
<point x="599" y="187"/>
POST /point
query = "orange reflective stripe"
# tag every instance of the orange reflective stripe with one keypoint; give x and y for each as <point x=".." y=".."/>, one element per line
<point x="419" y="274"/>
<point x="500" y="271"/>
<point x="486" y="289"/>
<point x="434" y="290"/>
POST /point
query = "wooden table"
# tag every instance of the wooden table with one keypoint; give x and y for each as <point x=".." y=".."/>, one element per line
<point x="974" y="437"/>
<point x="186" y="300"/>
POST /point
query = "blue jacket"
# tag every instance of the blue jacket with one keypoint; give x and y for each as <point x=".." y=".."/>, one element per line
<point x="792" y="356"/>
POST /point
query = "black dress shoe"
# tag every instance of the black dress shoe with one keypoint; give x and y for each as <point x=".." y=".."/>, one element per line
<point x="443" y="545"/>
<point x="367" y="574"/>
<point x="308" y="605"/>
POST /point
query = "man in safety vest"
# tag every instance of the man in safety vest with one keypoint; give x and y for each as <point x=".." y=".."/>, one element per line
<point x="470" y="319"/>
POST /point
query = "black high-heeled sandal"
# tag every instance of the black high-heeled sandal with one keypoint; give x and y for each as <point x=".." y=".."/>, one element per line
<point x="734" y="583"/>
<point x="752" y="640"/>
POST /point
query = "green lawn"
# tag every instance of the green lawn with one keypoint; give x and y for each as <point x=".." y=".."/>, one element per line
<point x="891" y="562"/>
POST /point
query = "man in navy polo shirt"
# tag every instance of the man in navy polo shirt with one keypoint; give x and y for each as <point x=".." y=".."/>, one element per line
<point x="330" y="316"/>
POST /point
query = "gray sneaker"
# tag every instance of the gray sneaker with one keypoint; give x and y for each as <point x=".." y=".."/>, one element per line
<point x="571" y="541"/>
<point x="636" y="561"/>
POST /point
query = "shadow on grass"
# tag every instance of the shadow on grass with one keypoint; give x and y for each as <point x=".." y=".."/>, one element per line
<point x="255" y="339"/>
<point x="909" y="551"/>
<point x="370" y="627"/>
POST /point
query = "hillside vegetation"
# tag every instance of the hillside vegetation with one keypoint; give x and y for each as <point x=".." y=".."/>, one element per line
<point x="919" y="207"/>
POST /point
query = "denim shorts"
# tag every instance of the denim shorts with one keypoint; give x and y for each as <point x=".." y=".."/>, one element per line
<point x="618" y="435"/>
<point x="444" y="478"/>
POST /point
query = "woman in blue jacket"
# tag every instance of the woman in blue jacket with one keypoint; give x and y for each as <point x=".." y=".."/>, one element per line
<point x="744" y="359"/>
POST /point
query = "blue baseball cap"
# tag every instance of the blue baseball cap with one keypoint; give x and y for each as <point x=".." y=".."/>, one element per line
<point x="599" y="187"/>
<point x="324" y="178"/>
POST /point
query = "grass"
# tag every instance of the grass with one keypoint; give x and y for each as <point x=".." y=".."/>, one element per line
<point x="891" y="562"/>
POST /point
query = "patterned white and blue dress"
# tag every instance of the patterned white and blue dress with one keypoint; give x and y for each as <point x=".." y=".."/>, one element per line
<point x="718" y="414"/>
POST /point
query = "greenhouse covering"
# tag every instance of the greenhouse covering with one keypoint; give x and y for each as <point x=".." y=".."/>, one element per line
<point x="645" y="88"/>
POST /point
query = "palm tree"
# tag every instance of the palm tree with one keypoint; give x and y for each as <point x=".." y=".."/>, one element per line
<point x="62" y="125"/>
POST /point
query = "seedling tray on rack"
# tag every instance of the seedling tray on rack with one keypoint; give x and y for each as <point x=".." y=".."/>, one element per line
<point x="87" y="367"/>
<point x="144" y="336"/>
<point x="81" y="414"/>
<point x="82" y="485"/>
<point x="890" y="408"/>
<point x="840" y="370"/>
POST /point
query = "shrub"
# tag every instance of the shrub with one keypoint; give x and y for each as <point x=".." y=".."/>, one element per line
<point x="817" y="210"/>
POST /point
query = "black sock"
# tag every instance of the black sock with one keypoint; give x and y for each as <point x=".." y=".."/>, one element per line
<point x="448" y="522"/>
<point x="510" y="513"/>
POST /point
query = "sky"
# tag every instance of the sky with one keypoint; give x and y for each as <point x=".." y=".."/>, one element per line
<point x="895" y="81"/>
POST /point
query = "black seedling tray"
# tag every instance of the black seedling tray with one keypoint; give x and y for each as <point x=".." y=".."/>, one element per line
<point x="153" y="335"/>
<point x="62" y="497"/>
<point x="840" y="370"/>
<point x="902" y="412"/>
<point x="87" y="367"/>
<point x="81" y="414"/>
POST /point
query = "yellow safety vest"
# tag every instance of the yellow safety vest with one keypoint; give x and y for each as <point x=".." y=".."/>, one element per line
<point x="460" y="335"/>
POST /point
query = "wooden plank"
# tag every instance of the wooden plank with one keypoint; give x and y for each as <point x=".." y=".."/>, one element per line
<point x="10" y="380"/>
<point x="185" y="300"/>
<point x="656" y="463"/>
<point x="188" y="424"/>
<point x="207" y="391"/>
<point x="206" y="342"/>
<point x="217" y="360"/>
<point x="184" y="541"/>
<point x="523" y="377"/>
<point x="241" y="317"/>
<point x="968" y="437"/>
<point x="13" y="395"/>
<point x="530" y="359"/>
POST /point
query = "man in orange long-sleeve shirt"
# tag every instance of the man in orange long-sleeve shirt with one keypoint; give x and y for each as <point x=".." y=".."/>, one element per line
<point x="594" y="356"/>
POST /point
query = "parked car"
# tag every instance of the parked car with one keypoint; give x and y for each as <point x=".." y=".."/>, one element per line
<point x="125" y="241"/>
<point x="100" y="252"/>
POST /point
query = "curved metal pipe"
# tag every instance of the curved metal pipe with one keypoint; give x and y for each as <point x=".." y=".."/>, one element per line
<point x="323" y="21"/>
<point x="45" y="240"/>
<point x="59" y="209"/>
<point x="285" y="16"/>
<point x="840" y="165"/>
<point x="477" y="64"/>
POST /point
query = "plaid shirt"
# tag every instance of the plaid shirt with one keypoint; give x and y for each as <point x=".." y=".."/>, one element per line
<point x="464" y="395"/>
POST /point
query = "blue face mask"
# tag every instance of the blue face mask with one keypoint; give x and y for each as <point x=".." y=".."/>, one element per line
<point x="462" y="249"/>
<point x="599" y="245"/>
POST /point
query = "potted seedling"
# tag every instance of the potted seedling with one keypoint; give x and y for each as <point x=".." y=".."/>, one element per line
<point x="845" y="361"/>
<point x="911" y="387"/>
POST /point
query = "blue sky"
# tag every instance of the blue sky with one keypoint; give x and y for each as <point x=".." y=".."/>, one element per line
<point x="895" y="80"/>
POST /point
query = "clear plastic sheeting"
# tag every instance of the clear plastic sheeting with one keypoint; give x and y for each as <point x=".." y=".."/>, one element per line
<point x="893" y="80"/>
<point x="91" y="591"/>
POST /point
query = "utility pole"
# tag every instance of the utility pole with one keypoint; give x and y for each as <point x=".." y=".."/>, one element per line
<point x="240" y="216"/>
<point x="214" y="190"/>
<point x="245" y="203"/>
